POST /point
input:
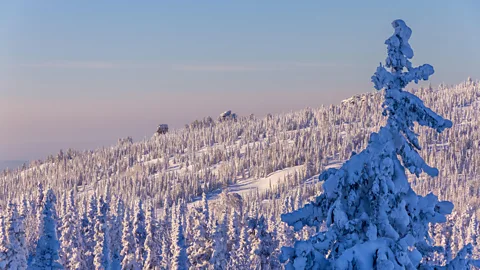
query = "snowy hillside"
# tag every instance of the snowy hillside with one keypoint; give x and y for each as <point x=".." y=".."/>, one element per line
<point x="208" y="155"/>
<point x="271" y="162"/>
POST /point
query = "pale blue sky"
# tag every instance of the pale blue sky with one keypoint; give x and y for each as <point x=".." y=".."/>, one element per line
<point x="83" y="73"/>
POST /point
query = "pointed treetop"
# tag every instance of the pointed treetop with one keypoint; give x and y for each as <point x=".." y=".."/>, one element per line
<point x="404" y="108"/>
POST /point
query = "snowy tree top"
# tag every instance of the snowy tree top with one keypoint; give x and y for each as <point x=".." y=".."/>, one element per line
<point x="404" y="108"/>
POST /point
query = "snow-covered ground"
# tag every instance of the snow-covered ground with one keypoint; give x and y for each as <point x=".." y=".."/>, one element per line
<point x="262" y="184"/>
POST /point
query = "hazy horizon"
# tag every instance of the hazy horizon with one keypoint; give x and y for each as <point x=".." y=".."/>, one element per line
<point x="82" y="75"/>
<point x="123" y="122"/>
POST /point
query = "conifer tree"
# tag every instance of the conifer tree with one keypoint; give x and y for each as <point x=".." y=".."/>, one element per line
<point x="16" y="248"/>
<point x="77" y="262"/>
<point x="200" y="249"/>
<point x="179" y="257"/>
<point x="233" y="230"/>
<point x="24" y="208"/>
<point x="39" y="201"/>
<point x="166" y="253"/>
<point x="139" y="227"/>
<point x="287" y="235"/>
<point x="102" y="257"/>
<point x="116" y="233"/>
<point x="263" y="245"/>
<point x="151" y="244"/>
<point x="447" y="244"/>
<point x="455" y="245"/>
<point x="3" y="243"/>
<point x="168" y="233"/>
<point x="37" y="219"/>
<point x="71" y="239"/>
<point x="240" y="256"/>
<point x="373" y="217"/>
<point x="220" y="253"/>
<point x="205" y="208"/>
<point x="473" y="231"/>
<point x="139" y="257"/>
<point x="88" y="228"/>
<point x="128" y="242"/>
<point x="46" y="255"/>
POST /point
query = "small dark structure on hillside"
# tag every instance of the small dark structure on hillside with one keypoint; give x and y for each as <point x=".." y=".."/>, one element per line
<point x="162" y="129"/>
<point x="228" y="115"/>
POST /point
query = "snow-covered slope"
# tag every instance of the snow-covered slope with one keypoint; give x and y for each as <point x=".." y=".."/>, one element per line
<point x="250" y="152"/>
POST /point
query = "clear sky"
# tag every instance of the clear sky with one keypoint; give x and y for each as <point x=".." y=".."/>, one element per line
<point x="82" y="74"/>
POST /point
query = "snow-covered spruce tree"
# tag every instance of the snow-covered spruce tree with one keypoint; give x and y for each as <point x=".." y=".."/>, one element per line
<point x="374" y="219"/>
<point x="200" y="249"/>
<point x="151" y="245"/>
<point x="220" y="253"/>
<point x="239" y="258"/>
<point x="205" y="208"/>
<point x="182" y="212"/>
<point x="139" y="230"/>
<point x="263" y="245"/>
<point x="116" y="233"/>
<point x="455" y="241"/>
<point x="473" y="230"/>
<point x="233" y="230"/>
<point x="463" y="224"/>
<point x="286" y="234"/>
<point x="72" y="246"/>
<point x="46" y="254"/>
<point x="29" y="220"/>
<point x="39" y="201"/>
<point x="88" y="228"/>
<point x="24" y="207"/>
<point x="102" y="257"/>
<point x="179" y="257"/>
<point x="128" y="243"/>
<point x="447" y="246"/>
<point x="36" y="219"/>
<point x="165" y="232"/>
<point x="3" y="243"/>
<point x="16" y="249"/>
<point x="165" y="261"/>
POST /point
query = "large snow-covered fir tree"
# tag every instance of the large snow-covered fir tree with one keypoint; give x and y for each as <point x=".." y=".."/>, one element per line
<point x="374" y="219"/>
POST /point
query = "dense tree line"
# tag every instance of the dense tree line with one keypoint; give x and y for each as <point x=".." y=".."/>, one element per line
<point x="186" y="162"/>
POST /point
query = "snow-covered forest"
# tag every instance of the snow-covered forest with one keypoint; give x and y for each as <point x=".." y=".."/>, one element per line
<point x="210" y="195"/>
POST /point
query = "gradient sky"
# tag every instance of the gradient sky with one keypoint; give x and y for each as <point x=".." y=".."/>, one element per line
<point x="82" y="74"/>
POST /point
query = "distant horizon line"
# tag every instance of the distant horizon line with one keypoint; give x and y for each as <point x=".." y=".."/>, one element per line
<point x="20" y="162"/>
